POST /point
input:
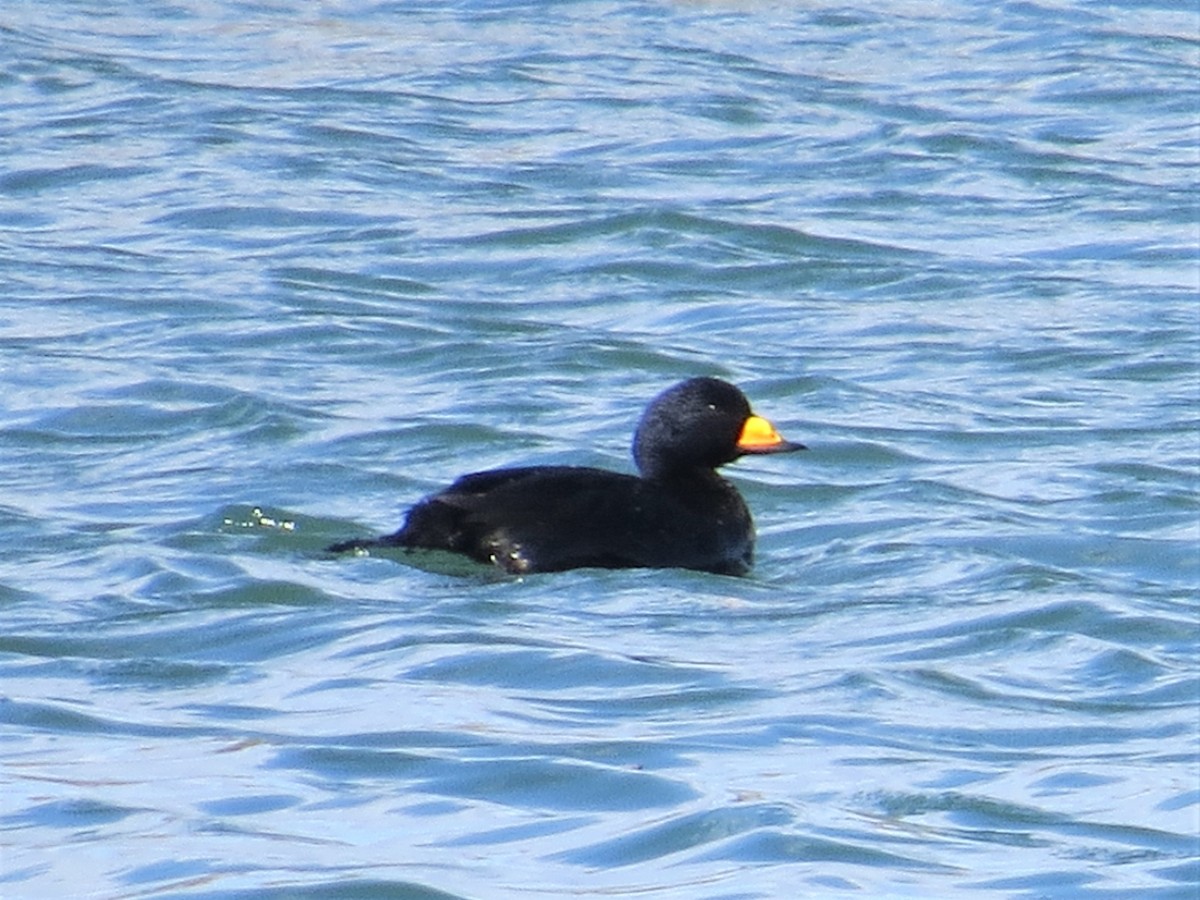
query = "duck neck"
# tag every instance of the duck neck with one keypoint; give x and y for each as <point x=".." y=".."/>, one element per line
<point x="691" y="478"/>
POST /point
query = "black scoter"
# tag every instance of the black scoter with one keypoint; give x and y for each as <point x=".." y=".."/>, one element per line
<point x="678" y="514"/>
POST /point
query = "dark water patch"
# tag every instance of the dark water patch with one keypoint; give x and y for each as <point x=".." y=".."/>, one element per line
<point x="338" y="684"/>
<point x="771" y="846"/>
<point x="145" y="420"/>
<point x="384" y="289"/>
<point x="1051" y="619"/>
<point x="516" y="833"/>
<point x="249" y="805"/>
<point x="1186" y="875"/>
<point x="234" y="629"/>
<point x="35" y="181"/>
<point x="719" y="248"/>
<point x="1010" y="742"/>
<point x="521" y="781"/>
<point x="457" y="740"/>
<point x="1168" y="693"/>
<point x="1124" y="668"/>
<point x="61" y="717"/>
<point x="231" y="712"/>
<point x="154" y="674"/>
<point x="446" y="632"/>
<point x="1185" y="799"/>
<point x="27" y="873"/>
<point x="176" y="873"/>
<point x="558" y="785"/>
<point x="69" y="814"/>
<point x="680" y="834"/>
<point x="555" y="668"/>
<point x="343" y="885"/>
<point x="248" y="227"/>
<point x="701" y="701"/>
<point x="1071" y="781"/>
<point x="981" y="818"/>
<point x="351" y="766"/>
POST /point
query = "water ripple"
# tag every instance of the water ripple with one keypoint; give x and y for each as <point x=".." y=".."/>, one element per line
<point x="270" y="278"/>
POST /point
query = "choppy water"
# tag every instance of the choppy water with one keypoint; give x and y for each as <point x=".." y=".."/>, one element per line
<point x="271" y="271"/>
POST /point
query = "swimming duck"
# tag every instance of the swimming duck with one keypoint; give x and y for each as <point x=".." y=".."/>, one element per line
<point x="676" y="513"/>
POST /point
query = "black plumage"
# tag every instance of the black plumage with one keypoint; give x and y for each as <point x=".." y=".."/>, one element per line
<point x="678" y="512"/>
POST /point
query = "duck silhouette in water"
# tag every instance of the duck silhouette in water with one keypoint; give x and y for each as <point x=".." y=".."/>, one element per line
<point x="677" y="513"/>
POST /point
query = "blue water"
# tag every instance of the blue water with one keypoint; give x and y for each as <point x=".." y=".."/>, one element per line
<point x="271" y="271"/>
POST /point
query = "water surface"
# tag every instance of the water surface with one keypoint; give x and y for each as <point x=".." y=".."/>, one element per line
<point x="273" y="271"/>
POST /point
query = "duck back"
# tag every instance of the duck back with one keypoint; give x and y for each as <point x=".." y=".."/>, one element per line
<point x="551" y="518"/>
